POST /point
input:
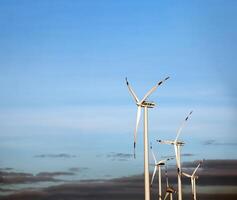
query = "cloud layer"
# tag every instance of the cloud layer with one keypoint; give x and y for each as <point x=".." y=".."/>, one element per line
<point x="213" y="174"/>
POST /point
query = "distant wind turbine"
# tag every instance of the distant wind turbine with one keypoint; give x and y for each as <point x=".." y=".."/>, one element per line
<point x="169" y="189"/>
<point x="144" y="104"/>
<point x="177" y="144"/>
<point x="193" y="181"/>
<point x="158" y="165"/>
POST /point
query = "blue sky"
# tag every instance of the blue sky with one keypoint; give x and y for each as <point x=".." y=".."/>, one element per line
<point x="62" y="71"/>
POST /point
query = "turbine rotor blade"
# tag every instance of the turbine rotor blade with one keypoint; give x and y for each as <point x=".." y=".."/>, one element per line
<point x="132" y="92"/>
<point x="166" y="195"/>
<point x="153" y="89"/>
<point x="154" y="157"/>
<point x="165" y="141"/>
<point x="153" y="175"/>
<point x="187" y="175"/>
<point x="137" y="123"/>
<point x="192" y="183"/>
<point x="196" y="169"/>
<point x="182" y="125"/>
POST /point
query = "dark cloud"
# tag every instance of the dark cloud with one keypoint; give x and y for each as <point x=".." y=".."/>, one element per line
<point x="226" y="165"/>
<point x="19" y="177"/>
<point x="214" y="142"/>
<point x="78" y="169"/>
<point x="53" y="174"/>
<point x="6" y="169"/>
<point x="119" y="156"/>
<point x="61" y="155"/>
<point x="126" y="188"/>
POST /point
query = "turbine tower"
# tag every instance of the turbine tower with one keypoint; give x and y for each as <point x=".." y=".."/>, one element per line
<point x="144" y="104"/>
<point x="193" y="181"/>
<point x="177" y="145"/>
<point x="158" y="165"/>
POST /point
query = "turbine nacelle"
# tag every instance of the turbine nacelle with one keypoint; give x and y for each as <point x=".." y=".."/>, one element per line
<point x="180" y="143"/>
<point x="148" y="104"/>
<point x="170" y="190"/>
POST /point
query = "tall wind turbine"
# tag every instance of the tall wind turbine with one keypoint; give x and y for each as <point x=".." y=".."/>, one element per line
<point x="177" y="144"/>
<point x="144" y="104"/>
<point x="193" y="181"/>
<point x="158" y="165"/>
<point x="169" y="189"/>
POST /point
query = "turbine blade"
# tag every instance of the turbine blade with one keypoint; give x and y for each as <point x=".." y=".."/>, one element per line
<point x="153" y="89"/>
<point x="192" y="183"/>
<point x="132" y="92"/>
<point x="137" y="123"/>
<point x="154" y="157"/>
<point x="165" y="141"/>
<point x="166" y="195"/>
<point x="196" y="169"/>
<point x="182" y="125"/>
<point x="153" y="175"/>
<point x="187" y="175"/>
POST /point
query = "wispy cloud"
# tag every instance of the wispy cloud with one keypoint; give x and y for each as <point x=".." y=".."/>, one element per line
<point x="183" y="155"/>
<point x="119" y="156"/>
<point x="78" y="169"/>
<point x="214" y="142"/>
<point x="61" y="155"/>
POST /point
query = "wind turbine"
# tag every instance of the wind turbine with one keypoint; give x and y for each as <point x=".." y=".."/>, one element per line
<point x="169" y="189"/>
<point x="193" y="181"/>
<point x="177" y="144"/>
<point x="158" y="165"/>
<point x="144" y="104"/>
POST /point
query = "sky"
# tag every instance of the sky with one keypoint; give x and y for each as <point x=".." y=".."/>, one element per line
<point x="64" y="103"/>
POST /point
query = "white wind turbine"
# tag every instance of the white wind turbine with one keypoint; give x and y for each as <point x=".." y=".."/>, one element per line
<point x="193" y="181"/>
<point x="177" y="144"/>
<point x="144" y="104"/>
<point x="158" y="165"/>
<point x="169" y="189"/>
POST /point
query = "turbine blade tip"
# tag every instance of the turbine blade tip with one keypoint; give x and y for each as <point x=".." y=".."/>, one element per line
<point x="160" y="82"/>
<point x="126" y="79"/>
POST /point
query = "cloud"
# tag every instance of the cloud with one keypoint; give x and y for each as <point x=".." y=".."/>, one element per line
<point x="52" y="174"/>
<point x="14" y="178"/>
<point x="126" y="188"/>
<point x="183" y="155"/>
<point x="61" y="155"/>
<point x="214" y="142"/>
<point x="78" y="169"/>
<point x="119" y="156"/>
<point x="214" y="175"/>
<point x="6" y="169"/>
<point x="19" y="177"/>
